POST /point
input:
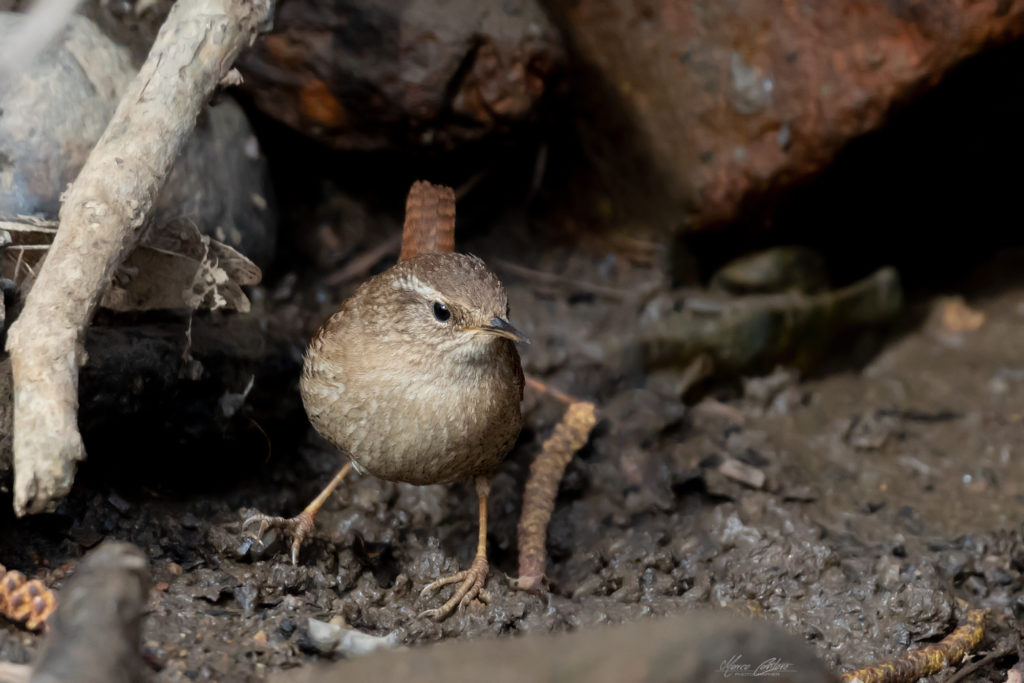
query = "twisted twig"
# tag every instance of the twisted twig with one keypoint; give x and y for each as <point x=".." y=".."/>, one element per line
<point x="570" y="435"/>
<point x="929" y="660"/>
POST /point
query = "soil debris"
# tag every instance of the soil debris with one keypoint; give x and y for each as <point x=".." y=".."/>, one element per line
<point x="929" y="660"/>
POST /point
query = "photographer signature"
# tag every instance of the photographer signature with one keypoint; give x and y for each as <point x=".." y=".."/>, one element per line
<point x="736" y="667"/>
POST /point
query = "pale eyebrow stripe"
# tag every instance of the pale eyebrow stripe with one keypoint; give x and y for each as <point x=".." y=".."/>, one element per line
<point x="413" y="283"/>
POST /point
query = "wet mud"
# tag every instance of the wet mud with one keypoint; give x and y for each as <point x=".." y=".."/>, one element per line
<point x="864" y="508"/>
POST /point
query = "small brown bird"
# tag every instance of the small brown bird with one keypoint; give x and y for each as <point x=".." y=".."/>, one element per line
<point x="417" y="378"/>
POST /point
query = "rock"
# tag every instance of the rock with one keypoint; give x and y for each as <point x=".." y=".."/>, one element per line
<point x="723" y="102"/>
<point x="370" y="74"/>
<point x="747" y="333"/>
<point x="700" y="646"/>
<point x="222" y="184"/>
<point x="779" y="269"/>
<point x="327" y="638"/>
<point x="53" y="114"/>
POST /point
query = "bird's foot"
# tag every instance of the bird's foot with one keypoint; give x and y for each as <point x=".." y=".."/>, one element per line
<point x="298" y="527"/>
<point x="472" y="586"/>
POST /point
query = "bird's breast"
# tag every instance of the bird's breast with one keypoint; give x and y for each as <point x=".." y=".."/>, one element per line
<point x="436" y="421"/>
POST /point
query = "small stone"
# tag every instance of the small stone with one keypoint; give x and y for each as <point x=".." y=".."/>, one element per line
<point x="252" y="549"/>
<point x="247" y="595"/>
<point x="742" y="472"/>
<point x="119" y="503"/>
<point x="323" y="637"/>
<point x="328" y="638"/>
<point x="286" y="628"/>
<point x="86" y="537"/>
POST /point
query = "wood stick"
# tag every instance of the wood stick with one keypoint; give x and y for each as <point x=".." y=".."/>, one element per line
<point x="570" y="435"/>
<point x="101" y="219"/>
<point x="94" y="636"/>
<point x="14" y="673"/>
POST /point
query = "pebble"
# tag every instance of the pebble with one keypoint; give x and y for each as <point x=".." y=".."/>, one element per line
<point x="328" y="638"/>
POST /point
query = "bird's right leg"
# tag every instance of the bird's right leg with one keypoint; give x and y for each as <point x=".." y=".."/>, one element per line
<point x="471" y="581"/>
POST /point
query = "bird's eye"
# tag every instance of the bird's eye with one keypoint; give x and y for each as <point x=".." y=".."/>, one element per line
<point x="441" y="312"/>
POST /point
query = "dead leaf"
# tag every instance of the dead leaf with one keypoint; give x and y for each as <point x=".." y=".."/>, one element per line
<point x="30" y="239"/>
<point x="173" y="268"/>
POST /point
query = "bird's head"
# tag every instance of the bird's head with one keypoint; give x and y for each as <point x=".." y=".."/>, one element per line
<point x="451" y="301"/>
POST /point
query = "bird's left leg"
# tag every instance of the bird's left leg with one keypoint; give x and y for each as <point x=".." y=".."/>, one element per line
<point x="472" y="579"/>
<point x="299" y="526"/>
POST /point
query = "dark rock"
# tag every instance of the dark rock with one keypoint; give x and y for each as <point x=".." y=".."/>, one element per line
<point x="286" y="628"/>
<point x="251" y="549"/>
<point x="369" y="74"/>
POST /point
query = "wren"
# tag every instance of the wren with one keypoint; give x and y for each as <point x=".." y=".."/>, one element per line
<point x="417" y="379"/>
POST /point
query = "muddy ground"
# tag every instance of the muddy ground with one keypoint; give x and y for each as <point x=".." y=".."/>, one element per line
<point x="892" y="500"/>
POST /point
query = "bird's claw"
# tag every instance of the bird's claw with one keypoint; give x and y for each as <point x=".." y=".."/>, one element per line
<point x="471" y="587"/>
<point x="298" y="527"/>
<point x="264" y="521"/>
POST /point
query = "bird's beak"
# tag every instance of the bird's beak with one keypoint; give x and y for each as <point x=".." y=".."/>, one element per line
<point x="501" y="328"/>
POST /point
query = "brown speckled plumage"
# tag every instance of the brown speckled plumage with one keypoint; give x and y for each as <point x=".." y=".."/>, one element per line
<point x="429" y="221"/>
<point x="417" y="379"/>
<point x="406" y="396"/>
